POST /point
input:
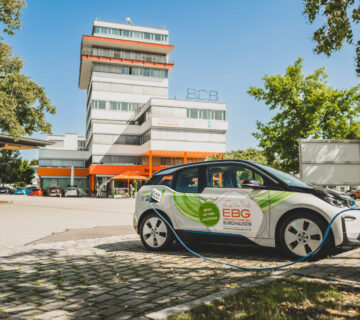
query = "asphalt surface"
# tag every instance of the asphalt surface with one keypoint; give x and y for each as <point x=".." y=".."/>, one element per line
<point x="25" y="220"/>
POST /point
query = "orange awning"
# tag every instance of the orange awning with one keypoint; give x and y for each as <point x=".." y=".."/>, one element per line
<point x="129" y="176"/>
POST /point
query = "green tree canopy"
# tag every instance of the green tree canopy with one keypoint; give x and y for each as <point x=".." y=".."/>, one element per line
<point x="306" y="108"/>
<point x="13" y="169"/>
<point x="10" y="163"/>
<point x="23" y="103"/>
<point x="341" y="17"/>
<point x="10" y="11"/>
<point x="248" y="154"/>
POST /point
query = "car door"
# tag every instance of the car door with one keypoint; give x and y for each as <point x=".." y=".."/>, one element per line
<point x="186" y="199"/>
<point x="235" y="201"/>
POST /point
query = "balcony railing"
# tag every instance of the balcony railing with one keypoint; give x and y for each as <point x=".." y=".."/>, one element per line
<point x="128" y="55"/>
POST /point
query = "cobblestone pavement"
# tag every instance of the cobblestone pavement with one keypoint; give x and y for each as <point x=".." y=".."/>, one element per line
<point x="116" y="278"/>
<point x="344" y="267"/>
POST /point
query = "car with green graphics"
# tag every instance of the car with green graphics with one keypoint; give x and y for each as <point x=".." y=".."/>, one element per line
<point x="236" y="200"/>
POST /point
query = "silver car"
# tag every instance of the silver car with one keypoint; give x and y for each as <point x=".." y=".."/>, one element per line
<point x="71" y="192"/>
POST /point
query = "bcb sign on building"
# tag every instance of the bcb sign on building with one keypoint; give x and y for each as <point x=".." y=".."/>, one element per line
<point x="202" y="95"/>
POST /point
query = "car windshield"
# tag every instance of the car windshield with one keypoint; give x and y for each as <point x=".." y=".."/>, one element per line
<point x="285" y="177"/>
<point x="20" y="189"/>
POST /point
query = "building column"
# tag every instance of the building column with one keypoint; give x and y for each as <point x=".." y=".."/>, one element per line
<point x="185" y="157"/>
<point x="150" y="163"/>
<point x="92" y="183"/>
<point x="219" y="156"/>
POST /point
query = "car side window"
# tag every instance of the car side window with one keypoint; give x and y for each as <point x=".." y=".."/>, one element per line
<point x="231" y="176"/>
<point x="187" y="181"/>
<point x="166" y="181"/>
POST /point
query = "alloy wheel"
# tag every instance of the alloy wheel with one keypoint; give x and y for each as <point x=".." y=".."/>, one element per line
<point x="302" y="236"/>
<point x="154" y="232"/>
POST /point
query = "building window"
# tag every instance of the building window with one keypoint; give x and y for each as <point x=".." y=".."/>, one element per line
<point x="192" y="113"/>
<point x="145" y="72"/>
<point x="61" y="163"/>
<point x="128" y="139"/>
<point x="115" y="159"/>
<point x="146" y="115"/>
<point x="167" y="161"/>
<point x="81" y="145"/>
<point x="205" y="114"/>
<point x="145" y="137"/>
<point x="131" y="34"/>
<point x="124" y="106"/>
<point x="98" y="104"/>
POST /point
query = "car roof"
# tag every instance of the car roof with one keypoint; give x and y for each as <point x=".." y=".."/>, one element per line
<point x="195" y="164"/>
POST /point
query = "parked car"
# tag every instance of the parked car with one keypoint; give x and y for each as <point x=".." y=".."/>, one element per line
<point x="355" y="194"/>
<point x="37" y="192"/>
<point x="54" y="192"/>
<point x="5" y="190"/>
<point x="71" y="192"/>
<point x="229" y="200"/>
<point x="29" y="189"/>
<point x="20" y="191"/>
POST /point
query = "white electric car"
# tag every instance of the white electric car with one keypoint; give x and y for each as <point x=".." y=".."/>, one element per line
<point x="227" y="200"/>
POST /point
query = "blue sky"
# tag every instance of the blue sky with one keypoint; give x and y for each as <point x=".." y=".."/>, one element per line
<point x="221" y="45"/>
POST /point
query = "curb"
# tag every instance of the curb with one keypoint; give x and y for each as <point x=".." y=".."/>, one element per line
<point x="352" y="284"/>
<point x="168" y="312"/>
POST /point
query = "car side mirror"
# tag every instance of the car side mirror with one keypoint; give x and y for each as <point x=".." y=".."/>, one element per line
<point x="250" y="184"/>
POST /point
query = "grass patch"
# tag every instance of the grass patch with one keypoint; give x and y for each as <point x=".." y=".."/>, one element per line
<point x="288" y="298"/>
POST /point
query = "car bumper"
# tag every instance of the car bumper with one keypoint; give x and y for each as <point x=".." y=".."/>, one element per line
<point x="351" y="228"/>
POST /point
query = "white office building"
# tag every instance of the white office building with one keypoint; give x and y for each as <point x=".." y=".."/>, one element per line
<point x="131" y="124"/>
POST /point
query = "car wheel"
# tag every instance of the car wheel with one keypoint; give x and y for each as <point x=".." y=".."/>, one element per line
<point x="154" y="233"/>
<point x="301" y="234"/>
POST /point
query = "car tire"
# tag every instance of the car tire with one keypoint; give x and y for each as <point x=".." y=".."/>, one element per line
<point x="301" y="233"/>
<point x="155" y="233"/>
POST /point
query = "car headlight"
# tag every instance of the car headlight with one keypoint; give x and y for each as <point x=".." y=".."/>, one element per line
<point x="333" y="201"/>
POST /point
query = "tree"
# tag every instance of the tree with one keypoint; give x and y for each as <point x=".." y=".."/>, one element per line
<point x="13" y="169"/>
<point x="26" y="174"/>
<point x="10" y="163"/>
<point x="10" y="11"/>
<point x="248" y="154"/>
<point x="341" y="16"/>
<point x="23" y="103"/>
<point x="307" y="108"/>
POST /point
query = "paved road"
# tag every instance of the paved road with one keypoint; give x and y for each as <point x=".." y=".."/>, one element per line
<point x="29" y="219"/>
<point x="116" y="278"/>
